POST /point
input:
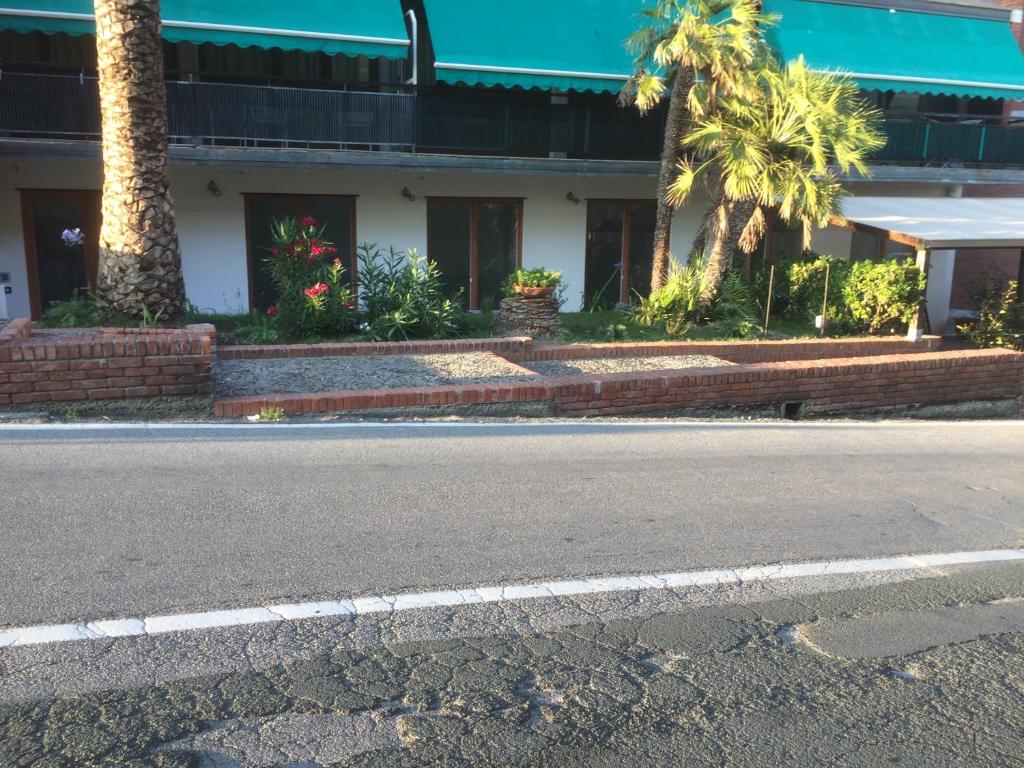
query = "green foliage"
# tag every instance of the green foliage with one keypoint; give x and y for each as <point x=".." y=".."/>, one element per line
<point x="614" y="332"/>
<point x="538" y="277"/>
<point x="80" y="311"/>
<point x="805" y="285"/>
<point x="674" y="306"/>
<point x="259" y="329"/>
<point x="271" y="413"/>
<point x="1000" y="320"/>
<point x="403" y="297"/>
<point x="883" y="296"/>
<point x="677" y="305"/>
<point x="314" y="292"/>
<point x="150" y="319"/>
<point x="70" y="413"/>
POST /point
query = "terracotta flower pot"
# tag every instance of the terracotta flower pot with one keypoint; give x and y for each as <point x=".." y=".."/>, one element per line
<point x="533" y="292"/>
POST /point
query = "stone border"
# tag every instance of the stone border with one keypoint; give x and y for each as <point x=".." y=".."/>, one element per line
<point x="816" y="386"/>
<point x="47" y="365"/>
<point x="506" y="346"/>
<point x="742" y="351"/>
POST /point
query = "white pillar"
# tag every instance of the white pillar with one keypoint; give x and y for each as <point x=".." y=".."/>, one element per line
<point x="916" y="330"/>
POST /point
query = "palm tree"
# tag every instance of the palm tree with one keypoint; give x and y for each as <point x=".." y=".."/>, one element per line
<point x="780" y="148"/>
<point x="139" y="257"/>
<point x="702" y="48"/>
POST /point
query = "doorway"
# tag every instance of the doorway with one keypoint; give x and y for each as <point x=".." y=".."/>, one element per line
<point x="476" y="243"/>
<point x="57" y="271"/>
<point x="620" y="243"/>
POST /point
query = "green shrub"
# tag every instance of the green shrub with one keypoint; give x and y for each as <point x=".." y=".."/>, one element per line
<point x="760" y="278"/>
<point x="806" y="287"/>
<point x="537" y="277"/>
<point x="1000" y="320"/>
<point x="884" y="296"/>
<point x="77" y="312"/>
<point x="403" y="297"/>
<point x="676" y="306"/>
<point x="314" y="292"/>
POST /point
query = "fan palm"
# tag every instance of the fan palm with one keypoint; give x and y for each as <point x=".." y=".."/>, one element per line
<point x="784" y="148"/>
<point x="703" y="49"/>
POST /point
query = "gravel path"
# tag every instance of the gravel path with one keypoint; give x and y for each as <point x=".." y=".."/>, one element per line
<point x="623" y="364"/>
<point x="326" y="374"/>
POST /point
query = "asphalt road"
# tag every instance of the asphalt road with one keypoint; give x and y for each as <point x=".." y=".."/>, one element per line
<point x="107" y="524"/>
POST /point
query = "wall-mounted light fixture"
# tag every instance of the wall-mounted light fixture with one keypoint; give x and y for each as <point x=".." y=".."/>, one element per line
<point x="214" y="189"/>
<point x="571" y="197"/>
<point x="407" y="194"/>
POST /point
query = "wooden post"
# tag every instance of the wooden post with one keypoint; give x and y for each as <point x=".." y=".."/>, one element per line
<point x="918" y="325"/>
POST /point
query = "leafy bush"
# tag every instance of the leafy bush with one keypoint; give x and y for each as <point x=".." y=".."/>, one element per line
<point x="403" y="297"/>
<point x="883" y="296"/>
<point x="77" y="312"/>
<point x="314" y="293"/>
<point x="538" y="277"/>
<point x="806" y="287"/>
<point x="677" y="305"/>
<point x="1000" y="320"/>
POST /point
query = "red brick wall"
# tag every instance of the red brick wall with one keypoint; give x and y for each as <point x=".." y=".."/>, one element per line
<point x="39" y="366"/>
<point x="741" y="351"/>
<point x="821" y="385"/>
<point x="835" y="385"/>
<point x="977" y="267"/>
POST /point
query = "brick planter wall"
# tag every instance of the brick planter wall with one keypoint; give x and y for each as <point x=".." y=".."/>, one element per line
<point x="820" y="386"/>
<point x="511" y="346"/>
<point x="741" y="351"/>
<point x="38" y="366"/>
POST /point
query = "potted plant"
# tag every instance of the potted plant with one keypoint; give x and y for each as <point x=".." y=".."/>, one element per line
<point x="535" y="283"/>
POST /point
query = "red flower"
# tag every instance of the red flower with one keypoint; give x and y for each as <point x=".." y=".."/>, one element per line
<point x="275" y="252"/>
<point x="350" y="304"/>
<point x="272" y="311"/>
<point x="316" y="290"/>
<point x="309" y="221"/>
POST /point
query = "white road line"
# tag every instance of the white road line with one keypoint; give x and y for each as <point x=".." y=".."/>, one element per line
<point x="570" y="423"/>
<point x="387" y="604"/>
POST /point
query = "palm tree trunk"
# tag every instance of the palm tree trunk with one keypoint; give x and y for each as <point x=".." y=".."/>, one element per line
<point x="675" y="123"/>
<point x="739" y="216"/>
<point x="139" y="256"/>
<point x="719" y="257"/>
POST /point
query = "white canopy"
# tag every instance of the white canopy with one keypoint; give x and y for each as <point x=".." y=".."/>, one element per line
<point x="940" y="222"/>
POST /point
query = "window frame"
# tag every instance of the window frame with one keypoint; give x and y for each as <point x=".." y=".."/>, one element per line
<point x="474" y="245"/>
<point x="250" y="246"/>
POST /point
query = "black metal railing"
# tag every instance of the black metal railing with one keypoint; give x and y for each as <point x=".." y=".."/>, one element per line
<point x="61" y="106"/>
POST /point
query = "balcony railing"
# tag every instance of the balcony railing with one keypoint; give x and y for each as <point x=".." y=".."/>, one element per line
<point x="63" y="107"/>
<point x="48" y="106"/>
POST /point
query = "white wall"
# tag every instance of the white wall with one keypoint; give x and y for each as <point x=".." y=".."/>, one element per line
<point x="940" y="288"/>
<point x="212" y="229"/>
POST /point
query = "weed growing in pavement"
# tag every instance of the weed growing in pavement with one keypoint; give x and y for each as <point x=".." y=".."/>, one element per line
<point x="271" y="413"/>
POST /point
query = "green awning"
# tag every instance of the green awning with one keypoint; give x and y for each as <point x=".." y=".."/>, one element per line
<point x="561" y="44"/>
<point x="369" y="28"/>
<point x="901" y="50"/>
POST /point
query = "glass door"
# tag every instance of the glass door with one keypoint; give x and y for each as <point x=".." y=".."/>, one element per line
<point x="59" y="269"/>
<point x="620" y="244"/>
<point x="476" y="244"/>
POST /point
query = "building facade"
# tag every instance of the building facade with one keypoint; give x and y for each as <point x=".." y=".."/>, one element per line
<point x="486" y="136"/>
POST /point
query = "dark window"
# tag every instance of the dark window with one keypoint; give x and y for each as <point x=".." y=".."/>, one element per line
<point x="56" y="271"/>
<point x="337" y="214"/>
<point x="620" y="245"/>
<point x="475" y="244"/>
